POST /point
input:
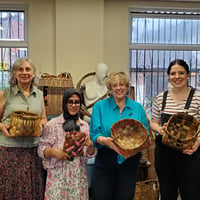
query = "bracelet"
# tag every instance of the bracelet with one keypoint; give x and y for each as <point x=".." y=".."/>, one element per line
<point x="101" y="140"/>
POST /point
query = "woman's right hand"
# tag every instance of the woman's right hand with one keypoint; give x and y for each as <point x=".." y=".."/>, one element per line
<point x="4" y="129"/>
<point x="108" y="141"/>
<point x="60" y="154"/>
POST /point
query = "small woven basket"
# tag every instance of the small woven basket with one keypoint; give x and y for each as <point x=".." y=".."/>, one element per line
<point x="129" y="136"/>
<point x="181" y="131"/>
<point x="147" y="190"/>
<point x="53" y="88"/>
<point x="24" y="123"/>
<point x="74" y="143"/>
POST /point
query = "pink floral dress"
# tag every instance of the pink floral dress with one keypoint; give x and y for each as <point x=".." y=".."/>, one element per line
<point x="66" y="180"/>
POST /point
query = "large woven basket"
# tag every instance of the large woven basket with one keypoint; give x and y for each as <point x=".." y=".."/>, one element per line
<point x="53" y="88"/>
<point x="147" y="190"/>
<point x="130" y="136"/>
<point x="24" y="123"/>
<point x="181" y="131"/>
<point x="74" y="143"/>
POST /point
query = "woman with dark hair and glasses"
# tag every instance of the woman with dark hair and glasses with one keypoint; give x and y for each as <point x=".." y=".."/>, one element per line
<point x="66" y="175"/>
<point x="177" y="170"/>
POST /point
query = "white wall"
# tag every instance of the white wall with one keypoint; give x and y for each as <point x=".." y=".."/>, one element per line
<point x="74" y="35"/>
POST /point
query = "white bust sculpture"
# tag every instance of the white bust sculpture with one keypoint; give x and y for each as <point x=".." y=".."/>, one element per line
<point x="96" y="88"/>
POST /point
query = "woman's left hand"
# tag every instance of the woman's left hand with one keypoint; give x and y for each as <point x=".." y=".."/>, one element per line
<point x="88" y="141"/>
<point x="41" y="128"/>
<point x="194" y="148"/>
<point x="90" y="146"/>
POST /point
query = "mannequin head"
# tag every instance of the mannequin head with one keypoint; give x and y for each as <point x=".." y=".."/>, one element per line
<point x="101" y="71"/>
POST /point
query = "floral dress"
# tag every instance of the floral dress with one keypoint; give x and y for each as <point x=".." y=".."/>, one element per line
<point x="66" y="180"/>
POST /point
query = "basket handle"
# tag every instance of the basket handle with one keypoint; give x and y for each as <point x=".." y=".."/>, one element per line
<point x="61" y="75"/>
<point x="64" y="75"/>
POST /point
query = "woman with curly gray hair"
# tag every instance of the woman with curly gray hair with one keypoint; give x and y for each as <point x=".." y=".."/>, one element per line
<point x="22" y="175"/>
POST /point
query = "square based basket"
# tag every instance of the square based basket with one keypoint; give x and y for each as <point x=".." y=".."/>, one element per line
<point x="181" y="131"/>
<point x="130" y="136"/>
<point x="24" y="123"/>
<point x="74" y="143"/>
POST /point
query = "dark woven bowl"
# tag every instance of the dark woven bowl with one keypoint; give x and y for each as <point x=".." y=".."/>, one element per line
<point x="129" y="136"/>
<point x="181" y="131"/>
<point x="74" y="143"/>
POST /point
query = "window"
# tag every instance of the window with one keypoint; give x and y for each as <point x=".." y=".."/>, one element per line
<point x="13" y="38"/>
<point x="157" y="37"/>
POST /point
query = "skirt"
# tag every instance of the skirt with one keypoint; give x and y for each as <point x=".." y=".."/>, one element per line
<point x="21" y="174"/>
<point x="68" y="182"/>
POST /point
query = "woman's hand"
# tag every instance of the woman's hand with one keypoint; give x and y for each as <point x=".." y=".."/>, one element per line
<point x="61" y="155"/>
<point x="194" y="148"/>
<point x="57" y="153"/>
<point x="41" y="128"/>
<point x="88" y="142"/>
<point x="4" y="129"/>
<point x="162" y="129"/>
<point x="108" y="141"/>
<point x="155" y="126"/>
<point x="90" y="146"/>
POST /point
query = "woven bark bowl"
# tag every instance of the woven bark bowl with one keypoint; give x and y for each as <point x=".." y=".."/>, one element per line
<point x="74" y="143"/>
<point x="181" y="131"/>
<point x="130" y="136"/>
<point x="24" y="123"/>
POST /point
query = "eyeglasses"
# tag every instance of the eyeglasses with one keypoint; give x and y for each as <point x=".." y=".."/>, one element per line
<point x="71" y="102"/>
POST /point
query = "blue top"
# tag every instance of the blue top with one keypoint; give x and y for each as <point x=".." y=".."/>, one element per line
<point x="106" y="112"/>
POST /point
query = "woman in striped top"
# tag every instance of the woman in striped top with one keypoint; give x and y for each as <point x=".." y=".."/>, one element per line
<point x="176" y="170"/>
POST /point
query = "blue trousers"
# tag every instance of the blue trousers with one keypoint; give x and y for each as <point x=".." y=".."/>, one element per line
<point x="113" y="181"/>
<point x="177" y="172"/>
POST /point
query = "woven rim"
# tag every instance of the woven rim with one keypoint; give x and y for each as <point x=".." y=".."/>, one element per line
<point x="25" y="115"/>
<point x="135" y="132"/>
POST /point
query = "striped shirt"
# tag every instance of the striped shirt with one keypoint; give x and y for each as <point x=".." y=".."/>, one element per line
<point x="173" y="107"/>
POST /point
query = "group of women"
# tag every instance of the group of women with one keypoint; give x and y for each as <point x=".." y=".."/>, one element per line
<point x="23" y="159"/>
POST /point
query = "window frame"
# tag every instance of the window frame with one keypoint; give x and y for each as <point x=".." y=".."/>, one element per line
<point x="142" y="12"/>
<point x="13" y="43"/>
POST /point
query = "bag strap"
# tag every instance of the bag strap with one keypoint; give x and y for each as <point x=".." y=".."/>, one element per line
<point x="189" y="99"/>
<point x="164" y="100"/>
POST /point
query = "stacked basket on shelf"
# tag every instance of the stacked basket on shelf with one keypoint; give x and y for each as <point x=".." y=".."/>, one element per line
<point x="53" y="88"/>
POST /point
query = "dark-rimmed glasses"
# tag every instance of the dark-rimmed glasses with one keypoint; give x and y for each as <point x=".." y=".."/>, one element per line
<point x="75" y="102"/>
